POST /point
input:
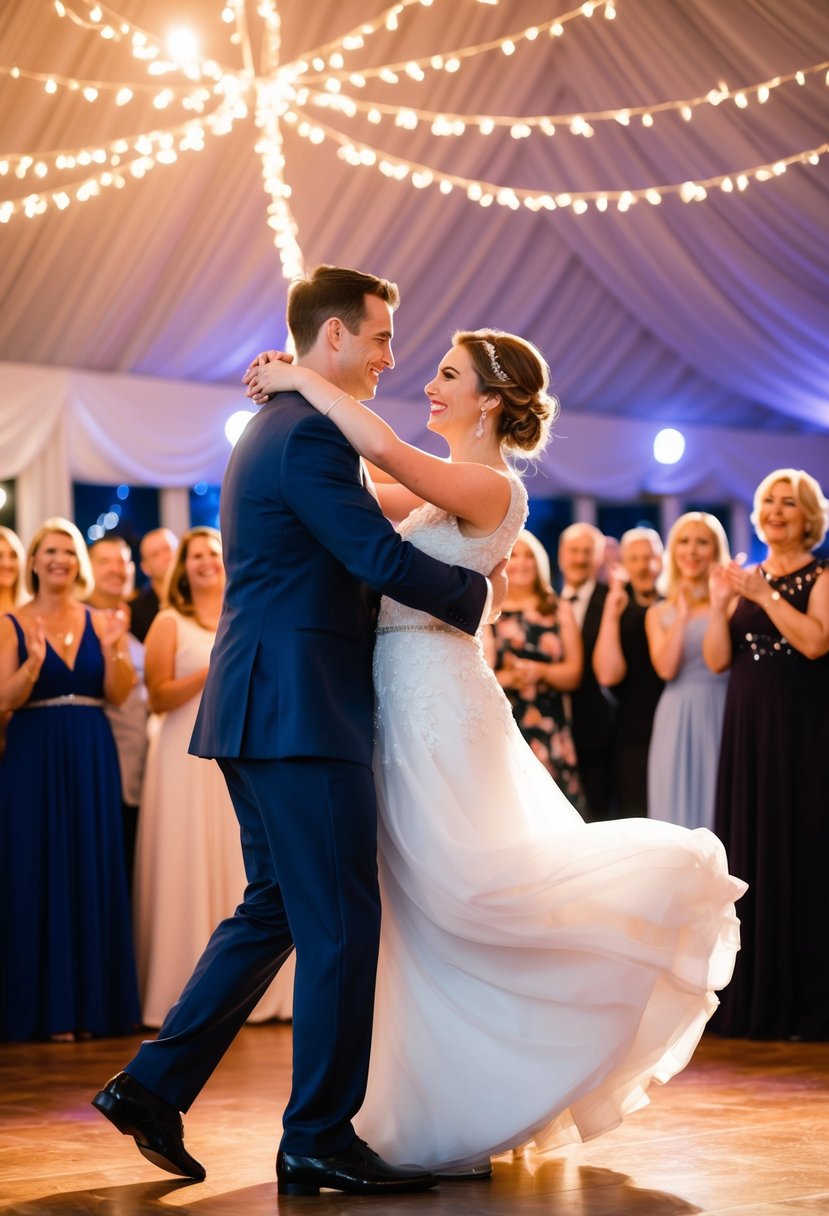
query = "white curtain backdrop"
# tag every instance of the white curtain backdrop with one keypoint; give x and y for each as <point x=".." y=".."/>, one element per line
<point x="59" y="425"/>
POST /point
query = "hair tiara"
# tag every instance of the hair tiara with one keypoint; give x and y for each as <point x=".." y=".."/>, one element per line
<point x="497" y="370"/>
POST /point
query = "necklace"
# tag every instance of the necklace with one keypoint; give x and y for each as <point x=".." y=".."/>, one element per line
<point x="66" y="638"/>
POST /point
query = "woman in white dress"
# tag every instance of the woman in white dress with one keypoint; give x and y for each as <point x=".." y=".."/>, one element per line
<point x="536" y="972"/>
<point x="189" y="871"/>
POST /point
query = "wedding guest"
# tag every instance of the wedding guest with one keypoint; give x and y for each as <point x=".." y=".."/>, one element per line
<point x="770" y="626"/>
<point x="113" y="572"/>
<point x="685" y="741"/>
<point x="66" y="960"/>
<point x="156" y="553"/>
<point x="622" y="662"/>
<point x="189" y="870"/>
<point x="535" y="650"/>
<point x="12" y="563"/>
<point x="580" y="554"/>
<point x="611" y="558"/>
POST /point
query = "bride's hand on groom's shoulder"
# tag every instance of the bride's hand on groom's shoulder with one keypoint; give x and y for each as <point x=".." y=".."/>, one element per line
<point x="253" y="379"/>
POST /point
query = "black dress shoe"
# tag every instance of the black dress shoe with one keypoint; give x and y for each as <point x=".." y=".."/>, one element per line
<point x="155" y="1124"/>
<point x="358" y="1170"/>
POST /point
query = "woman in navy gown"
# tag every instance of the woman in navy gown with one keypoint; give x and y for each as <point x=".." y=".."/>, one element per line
<point x="770" y="625"/>
<point x="66" y="958"/>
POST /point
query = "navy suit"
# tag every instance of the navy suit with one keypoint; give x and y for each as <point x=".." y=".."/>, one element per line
<point x="288" y="712"/>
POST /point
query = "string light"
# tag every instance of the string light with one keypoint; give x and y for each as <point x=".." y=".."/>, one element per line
<point x="484" y="192"/>
<point x="450" y="61"/>
<point x="278" y="94"/>
<point x="448" y="124"/>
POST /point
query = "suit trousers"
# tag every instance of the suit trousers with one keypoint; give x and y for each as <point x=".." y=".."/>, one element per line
<point x="309" y="837"/>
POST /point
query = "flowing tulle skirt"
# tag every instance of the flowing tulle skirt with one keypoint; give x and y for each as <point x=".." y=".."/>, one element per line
<point x="536" y="973"/>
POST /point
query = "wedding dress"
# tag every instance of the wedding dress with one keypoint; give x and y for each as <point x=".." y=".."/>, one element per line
<point x="536" y="973"/>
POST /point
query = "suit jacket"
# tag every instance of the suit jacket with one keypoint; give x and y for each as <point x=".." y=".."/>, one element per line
<point x="594" y="709"/>
<point x="290" y="671"/>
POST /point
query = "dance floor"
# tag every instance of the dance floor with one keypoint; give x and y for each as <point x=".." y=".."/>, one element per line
<point x="744" y="1130"/>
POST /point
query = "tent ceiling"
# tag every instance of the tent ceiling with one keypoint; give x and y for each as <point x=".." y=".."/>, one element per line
<point x="714" y="312"/>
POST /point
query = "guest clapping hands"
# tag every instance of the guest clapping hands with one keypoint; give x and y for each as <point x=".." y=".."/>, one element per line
<point x="682" y="762"/>
<point x="770" y="624"/>
<point x="67" y="969"/>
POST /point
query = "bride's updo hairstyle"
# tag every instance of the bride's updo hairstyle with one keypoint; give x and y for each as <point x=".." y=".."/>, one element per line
<point x="516" y="371"/>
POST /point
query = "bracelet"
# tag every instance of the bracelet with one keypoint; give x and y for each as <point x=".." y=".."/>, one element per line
<point x="325" y="413"/>
<point x="119" y="656"/>
<point x="28" y="671"/>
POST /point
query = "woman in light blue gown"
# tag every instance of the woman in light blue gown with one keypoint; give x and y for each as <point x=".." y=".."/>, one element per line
<point x="685" y="742"/>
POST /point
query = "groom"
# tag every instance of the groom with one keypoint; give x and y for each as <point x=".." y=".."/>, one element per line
<point x="287" y="712"/>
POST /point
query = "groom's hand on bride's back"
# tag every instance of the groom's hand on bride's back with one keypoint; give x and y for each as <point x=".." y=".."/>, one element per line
<point x="500" y="584"/>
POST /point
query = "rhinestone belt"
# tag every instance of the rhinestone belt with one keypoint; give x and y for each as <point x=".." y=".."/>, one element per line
<point x="69" y="699"/>
<point x="425" y="629"/>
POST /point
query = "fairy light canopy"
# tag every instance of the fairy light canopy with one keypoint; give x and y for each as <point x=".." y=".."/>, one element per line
<point x="482" y="138"/>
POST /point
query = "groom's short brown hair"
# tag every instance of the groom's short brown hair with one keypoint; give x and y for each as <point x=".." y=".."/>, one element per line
<point x="333" y="291"/>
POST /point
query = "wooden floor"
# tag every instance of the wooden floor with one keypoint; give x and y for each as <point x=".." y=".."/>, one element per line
<point x="744" y="1130"/>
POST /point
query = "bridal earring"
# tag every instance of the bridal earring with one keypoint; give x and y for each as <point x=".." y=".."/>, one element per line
<point x="479" y="429"/>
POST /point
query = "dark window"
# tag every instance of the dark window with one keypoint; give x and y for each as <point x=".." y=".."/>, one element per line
<point x="204" y="505"/>
<point x="127" y="511"/>
<point x="547" y="520"/>
<point x="8" y="514"/>
<point x="616" y="518"/>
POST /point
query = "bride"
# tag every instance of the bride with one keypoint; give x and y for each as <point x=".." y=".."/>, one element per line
<point x="536" y="973"/>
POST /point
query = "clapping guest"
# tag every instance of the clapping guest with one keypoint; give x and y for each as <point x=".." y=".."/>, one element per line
<point x="685" y="741"/>
<point x="189" y="870"/>
<point x="536" y="652"/>
<point x="622" y="662"/>
<point x="580" y="555"/>
<point x="12" y="563"/>
<point x="113" y="573"/>
<point x="66" y="961"/>
<point x="156" y="552"/>
<point x="770" y="626"/>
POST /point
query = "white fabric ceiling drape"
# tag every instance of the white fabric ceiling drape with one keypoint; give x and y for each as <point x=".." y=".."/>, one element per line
<point x="706" y="315"/>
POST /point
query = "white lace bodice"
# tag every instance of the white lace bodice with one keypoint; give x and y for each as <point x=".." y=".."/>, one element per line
<point x="437" y="533"/>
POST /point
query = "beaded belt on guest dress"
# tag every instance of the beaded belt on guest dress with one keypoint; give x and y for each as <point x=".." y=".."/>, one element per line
<point x="70" y="698"/>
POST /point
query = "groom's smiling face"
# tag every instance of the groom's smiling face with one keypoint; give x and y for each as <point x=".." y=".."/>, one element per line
<point x="364" y="355"/>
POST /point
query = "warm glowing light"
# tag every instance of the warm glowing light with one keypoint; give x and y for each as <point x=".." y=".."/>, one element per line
<point x="182" y="46"/>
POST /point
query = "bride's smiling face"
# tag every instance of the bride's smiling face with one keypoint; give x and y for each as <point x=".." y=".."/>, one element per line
<point x="455" y="399"/>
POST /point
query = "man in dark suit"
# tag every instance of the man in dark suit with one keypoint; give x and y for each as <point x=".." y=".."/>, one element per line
<point x="580" y="553"/>
<point x="287" y="711"/>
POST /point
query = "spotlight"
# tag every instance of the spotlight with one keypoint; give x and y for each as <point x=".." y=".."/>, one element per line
<point x="668" y="446"/>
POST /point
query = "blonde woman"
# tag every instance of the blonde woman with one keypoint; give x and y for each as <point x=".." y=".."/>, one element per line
<point x="685" y="741"/>
<point x="67" y="969"/>
<point x="770" y="627"/>
<point x="12" y="565"/>
<point x="189" y="871"/>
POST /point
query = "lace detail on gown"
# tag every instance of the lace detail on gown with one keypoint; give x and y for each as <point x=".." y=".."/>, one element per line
<point x="406" y="663"/>
<point x="536" y="973"/>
